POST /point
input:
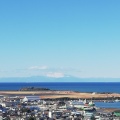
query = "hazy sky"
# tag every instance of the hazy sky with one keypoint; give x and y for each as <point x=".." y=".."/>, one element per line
<point x="58" y="38"/>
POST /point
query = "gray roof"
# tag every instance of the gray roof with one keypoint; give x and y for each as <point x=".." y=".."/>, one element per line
<point x="77" y="103"/>
<point x="33" y="98"/>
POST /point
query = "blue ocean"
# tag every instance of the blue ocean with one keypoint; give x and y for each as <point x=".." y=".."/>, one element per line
<point x="73" y="86"/>
<point x="113" y="87"/>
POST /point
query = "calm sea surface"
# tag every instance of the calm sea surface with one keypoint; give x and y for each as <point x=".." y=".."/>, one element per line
<point x="108" y="105"/>
<point x="82" y="87"/>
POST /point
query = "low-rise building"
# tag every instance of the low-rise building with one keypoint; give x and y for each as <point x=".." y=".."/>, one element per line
<point x="31" y="98"/>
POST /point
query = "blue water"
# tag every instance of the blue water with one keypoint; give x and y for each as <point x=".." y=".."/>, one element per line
<point x="107" y="105"/>
<point x="82" y="87"/>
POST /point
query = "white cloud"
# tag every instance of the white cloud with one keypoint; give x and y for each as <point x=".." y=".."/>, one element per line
<point x="55" y="75"/>
<point x="38" y="68"/>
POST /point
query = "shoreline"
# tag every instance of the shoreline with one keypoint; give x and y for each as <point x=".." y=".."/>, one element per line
<point x="50" y="94"/>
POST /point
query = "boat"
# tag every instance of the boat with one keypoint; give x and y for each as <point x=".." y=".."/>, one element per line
<point x="117" y="100"/>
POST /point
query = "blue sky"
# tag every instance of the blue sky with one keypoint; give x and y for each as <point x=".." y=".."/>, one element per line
<point x="60" y="38"/>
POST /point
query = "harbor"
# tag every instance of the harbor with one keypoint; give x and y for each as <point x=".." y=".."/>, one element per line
<point x="58" y="105"/>
<point x="32" y="107"/>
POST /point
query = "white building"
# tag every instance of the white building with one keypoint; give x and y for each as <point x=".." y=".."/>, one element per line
<point x="31" y="98"/>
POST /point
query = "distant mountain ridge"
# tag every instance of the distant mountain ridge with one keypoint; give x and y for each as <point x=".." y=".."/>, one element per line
<point x="63" y="79"/>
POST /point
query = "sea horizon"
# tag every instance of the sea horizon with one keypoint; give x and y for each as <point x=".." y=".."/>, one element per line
<point x="98" y="87"/>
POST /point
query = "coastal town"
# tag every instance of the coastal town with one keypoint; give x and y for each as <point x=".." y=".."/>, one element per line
<point x="59" y="59"/>
<point x="55" y="105"/>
